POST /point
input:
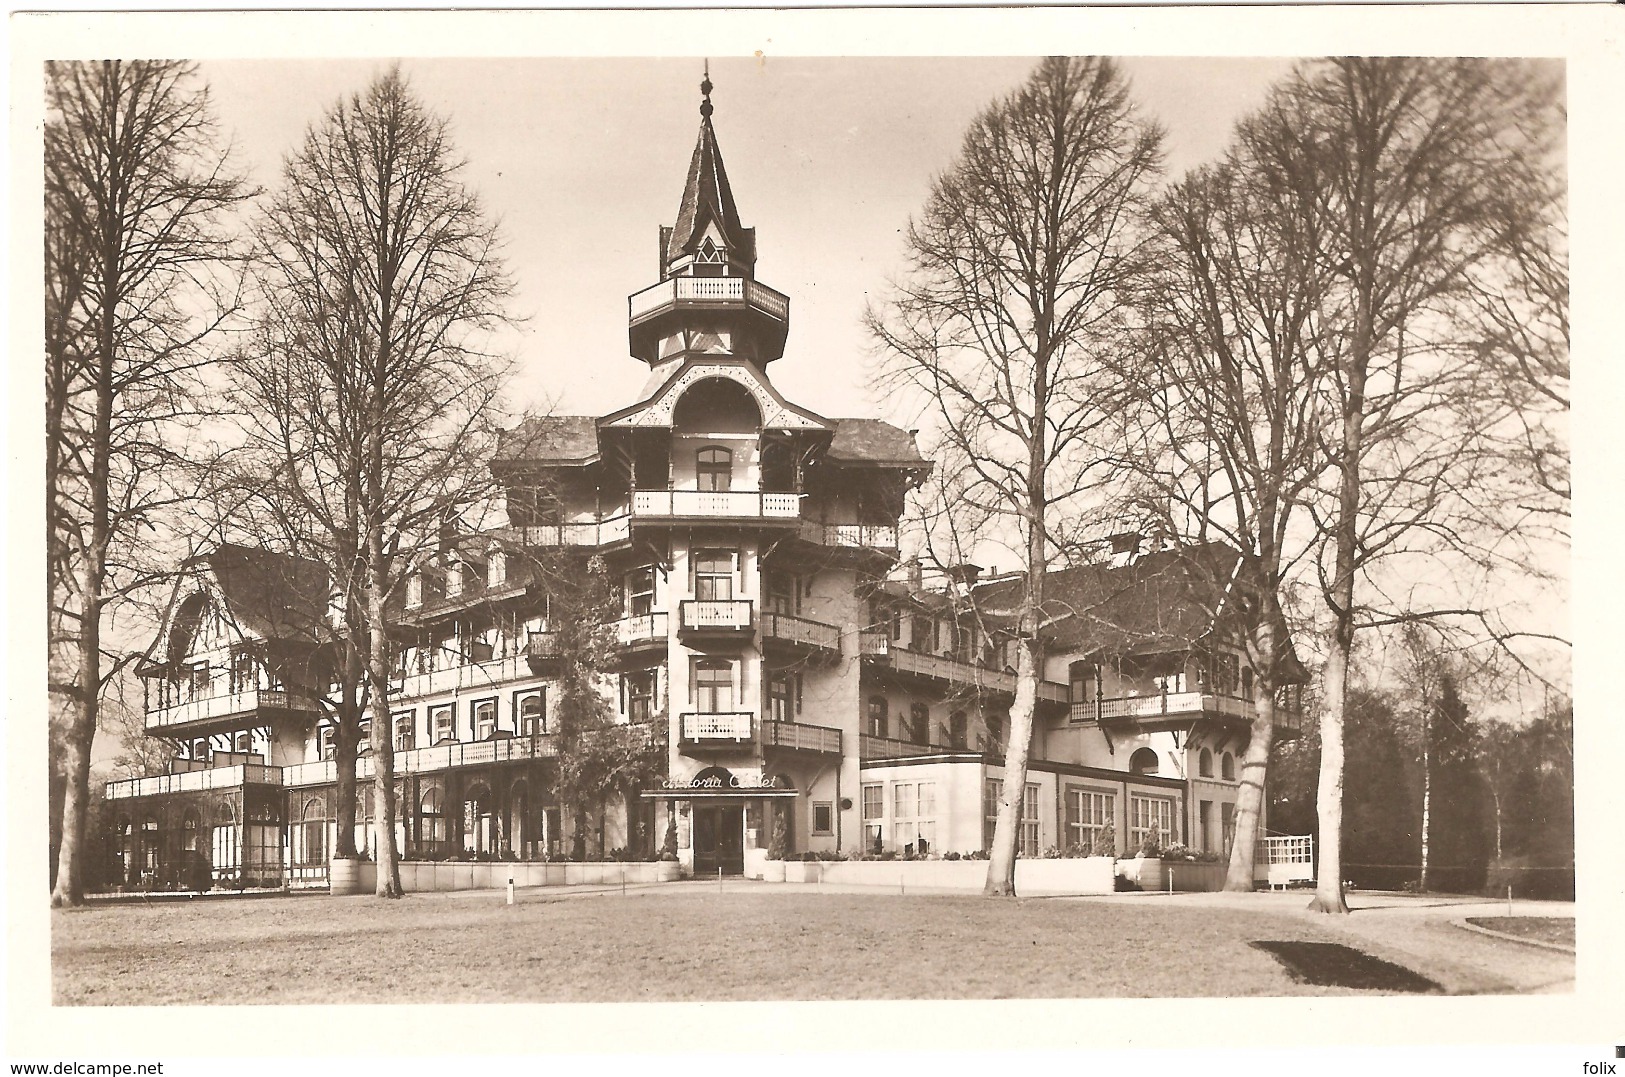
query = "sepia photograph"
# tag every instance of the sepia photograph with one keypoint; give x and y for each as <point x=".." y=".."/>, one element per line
<point x="812" y="528"/>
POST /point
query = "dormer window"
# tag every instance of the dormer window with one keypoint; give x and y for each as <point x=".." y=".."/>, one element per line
<point x="414" y="589"/>
<point x="714" y="469"/>
<point x="496" y="569"/>
<point x="710" y="260"/>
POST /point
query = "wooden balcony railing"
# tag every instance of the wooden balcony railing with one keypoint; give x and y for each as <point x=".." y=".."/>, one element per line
<point x="224" y="705"/>
<point x="715" y="504"/>
<point x="954" y="670"/>
<point x="196" y="781"/>
<point x="490" y="673"/>
<point x="706" y="292"/>
<point x="603" y="532"/>
<point x="1158" y="704"/>
<point x="713" y="727"/>
<point x="817" y="634"/>
<point x="850" y="536"/>
<point x="872" y="747"/>
<point x="802" y="737"/>
<point x="432" y="758"/>
<point x="642" y="628"/>
<point x="698" y="615"/>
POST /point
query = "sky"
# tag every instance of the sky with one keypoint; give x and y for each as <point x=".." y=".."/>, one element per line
<point x="582" y="161"/>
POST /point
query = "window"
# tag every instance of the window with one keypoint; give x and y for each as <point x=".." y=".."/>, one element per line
<point x="713" y="468"/>
<point x="780" y="697"/>
<point x="1027" y="844"/>
<point x="405" y="734"/>
<point x="1247" y="683"/>
<point x="994" y="741"/>
<point x="919" y="723"/>
<point x="531" y="711"/>
<point x="713" y="575"/>
<point x="1084" y="680"/>
<point x="443" y="723"/>
<point x="919" y="633"/>
<point x="1227" y="767"/>
<point x="1204" y="763"/>
<point x="200" y="680"/>
<point x="496" y="569"/>
<point x="1143" y="761"/>
<point x="1170" y="683"/>
<point x="244" y="743"/>
<point x="483" y="718"/>
<point x="1204" y="823"/>
<point x="640" y="592"/>
<point x="324" y="740"/>
<point x="914" y="809"/>
<point x="638" y="690"/>
<point x="1089" y="822"/>
<point x="242" y="670"/>
<point x="363" y="743"/>
<point x="1227" y="815"/>
<point x="876" y="721"/>
<point x="992" y="790"/>
<point x="189" y="832"/>
<point x="957" y="730"/>
<point x="432" y="811"/>
<point x="1148" y="814"/>
<point x="779" y="592"/>
<point x="823" y="818"/>
<point x="713" y="686"/>
<point x="874" y="811"/>
<point x="312" y="834"/>
<point x="1226" y="676"/>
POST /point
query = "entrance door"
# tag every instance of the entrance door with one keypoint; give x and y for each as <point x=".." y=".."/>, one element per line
<point x="719" y="840"/>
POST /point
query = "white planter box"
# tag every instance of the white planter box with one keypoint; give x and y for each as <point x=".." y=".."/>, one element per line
<point x="1144" y="872"/>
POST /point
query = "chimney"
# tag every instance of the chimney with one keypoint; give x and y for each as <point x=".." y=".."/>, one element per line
<point x="916" y="575"/>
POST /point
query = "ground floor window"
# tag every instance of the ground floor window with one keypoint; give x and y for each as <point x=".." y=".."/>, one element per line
<point x="874" y="813"/>
<point x="432" y="820"/>
<point x="1227" y="813"/>
<point x="1150" y="816"/>
<point x="1089" y="822"/>
<point x="1026" y="830"/>
<point x="310" y="846"/>
<point x="823" y="818"/>
<point x="914" y="815"/>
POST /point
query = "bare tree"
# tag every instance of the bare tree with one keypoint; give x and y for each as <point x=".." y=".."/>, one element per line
<point x="371" y="399"/>
<point x="136" y="188"/>
<point x="1411" y="176"/>
<point x="1230" y="425"/>
<point x="1019" y="273"/>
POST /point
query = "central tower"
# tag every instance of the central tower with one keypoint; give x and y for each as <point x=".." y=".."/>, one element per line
<point x="708" y="301"/>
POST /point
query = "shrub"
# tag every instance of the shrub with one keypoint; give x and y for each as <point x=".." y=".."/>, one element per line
<point x="668" y="844"/>
<point x="1152" y="845"/>
<point x="950" y="856"/>
<point x="1105" y="844"/>
<point x="779" y="839"/>
<point x="1125" y="885"/>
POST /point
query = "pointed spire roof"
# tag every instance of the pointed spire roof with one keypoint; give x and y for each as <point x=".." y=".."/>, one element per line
<point x="708" y="199"/>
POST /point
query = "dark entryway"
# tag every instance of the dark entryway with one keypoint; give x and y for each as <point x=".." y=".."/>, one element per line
<point x="719" y="839"/>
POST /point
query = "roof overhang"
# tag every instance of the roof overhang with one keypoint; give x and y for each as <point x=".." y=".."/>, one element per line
<point x="657" y="409"/>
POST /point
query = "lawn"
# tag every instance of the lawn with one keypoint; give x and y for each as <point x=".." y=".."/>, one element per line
<point x="667" y="944"/>
<point x="1553" y="929"/>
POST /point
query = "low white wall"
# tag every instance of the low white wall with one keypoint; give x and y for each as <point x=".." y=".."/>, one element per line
<point x="424" y="877"/>
<point x="1036" y="878"/>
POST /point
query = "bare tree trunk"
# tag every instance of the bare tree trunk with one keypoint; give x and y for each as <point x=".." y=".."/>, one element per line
<point x="1250" y="798"/>
<point x="346" y="748"/>
<point x="383" y="747"/>
<point x="1001" y="868"/>
<point x="78" y="734"/>
<point x="1427" y="797"/>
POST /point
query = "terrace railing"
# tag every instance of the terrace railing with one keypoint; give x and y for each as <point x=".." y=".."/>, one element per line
<point x="783" y="626"/>
<point x="707" y="291"/>
<point x="801" y="737"/>
<point x="214" y="705"/>
<point x="195" y="781"/>
<point x="699" y="614"/>
<point x="710" y="727"/>
<point x="715" y="504"/>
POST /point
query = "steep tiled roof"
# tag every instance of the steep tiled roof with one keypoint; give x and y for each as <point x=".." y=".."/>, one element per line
<point x="273" y="595"/>
<point x="870" y="441"/>
<point x="1164" y="600"/>
<point x="708" y="198"/>
<point x="550" y="439"/>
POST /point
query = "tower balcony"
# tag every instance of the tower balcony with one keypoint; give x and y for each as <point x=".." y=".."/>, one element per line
<point x="713" y="505"/>
<point x="657" y="309"/>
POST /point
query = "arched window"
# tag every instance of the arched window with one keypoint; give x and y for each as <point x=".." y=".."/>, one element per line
<point x="778" y="468"/>
<point x="532" y="708"/>
<point x="919" y="723"/>
<point x="957" y="730"/>
<point x="876" y="725"/>
<point x="1227" y="767"/>
<point x="1204" y="763"/>
<point x="431" y="809"/>
<point x="224" y="848"/>
<point x="479" y="820"/>
<point x="1143" y="761"/>
<point x="1247" y="683"/>
<point x="714" y="469"/>
<point x="1085" y="678"/>
<point x="324" y="740"/>
<point x="313" y="834"/>
<point x="190" y="827"/>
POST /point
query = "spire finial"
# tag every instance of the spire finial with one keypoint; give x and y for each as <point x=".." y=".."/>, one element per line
<point x="705" y="91"/>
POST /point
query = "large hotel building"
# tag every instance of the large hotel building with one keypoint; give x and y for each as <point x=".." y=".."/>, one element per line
<point x="782" y="661"/>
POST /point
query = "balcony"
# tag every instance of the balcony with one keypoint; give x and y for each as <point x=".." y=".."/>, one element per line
<point x="714" y="615"/>
<point x="1157" y="707"/>
<point x="432" y="758"/>
<point x="542" y="648"/>
<point x="664" y="505"/>
<point x="605" y="532"/>
<point x="891" y="748"/>
<point x="850" y="536"/>
<point x="643" y="630"/>
<point x="194" y="781"/>
<point x="799" y="737"/>
<point x="476" y="675"/>
<point x="710" y="729"/>
<point x="221" y="707"/>
<point x="800" y="633"/>
<point x="876" y="645"/>
<point x="708" y="293"/>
